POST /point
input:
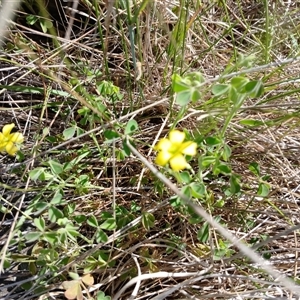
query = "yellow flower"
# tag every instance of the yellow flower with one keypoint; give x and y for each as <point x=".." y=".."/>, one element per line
<point x="10" y="142"/>
<point x="173" y="150"/>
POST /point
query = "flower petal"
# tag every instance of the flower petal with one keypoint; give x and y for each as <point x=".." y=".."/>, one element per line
<point x="7" y="129"/>
<point x="176" y="136"/>
<point x="17" y="137"/>
<point x="163" y="145"/>
<point x="11" y="149"/>
<point x="178" y="162"/>
<point x="189" y="148"/>
<point x="2" y="138"/>
<point x="3" y="142"/>
<point x="162" y="158"/>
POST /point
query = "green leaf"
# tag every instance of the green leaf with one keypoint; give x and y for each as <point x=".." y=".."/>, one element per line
<point x="196" y="77"/>
<point x="57" y="198"/>
<point x="178" y="84"/>
<point x="100" y="106"/>
<point x="27" y="285"/>
<point x="266" y="177"/>
<point x="207" y="161"/>
<point x="46" y="131"/>
<point x="222" y="168"/>
<point x="183" y="98"/>
<point x="185" y="177"/>
<point x="186" y="190"/>
<point x="83" y="111"/>
<point x="131" y="127"/>
<point x="220" y="89"/>
<point x="234" y="96"/>
<point x="54" y="214"/>
<point x="62" y="221"/>
<point x="212" y="141"/>
<point x="120" y="154"/>
<point x="111" y="134"/>
<point x="220" y="203"/>
<point x="55" y="167"/>
<point x="106" y="215"/>
<point x="263" y="189"/>
<point x="50" y="237"/>
<point x="69" y="132"/>
<point x="3" y="209"/>
<point x="148" y="220"/>
<point x="69" y="209"/>
<point x="101" y="296"/>
<point x="254" y="88"/>
<point x="109" y="224"/>
<point x="72" y="231"/>
<point x="195" y="220"/>
<point x="7" y="264"/>
<point x="198" y="190"/>
<point x="235" y="184"/>
<point x="39" y="223"/>
<point x="245" y="61"/>
<point x="126" y="148"/>
<point x="82" y="183"/>
<point x="75" y="161"/>
<point x="239" y="83"/>
<point x="45" y="25"/>
<point x="74" y="275"/>
<point x="32" y="236"/>
<point x="195" y="95"/>
<point x="267" y="255"/>
<point x="20" y="257"/>
<point x="254" y="168"/>
<point x="79" y="131"/>
<point x="176" y="202"/>
<point x="203" y="233"/>
<point x="251" y="122"/>
<point x="222" y="251"/>
<point x="101" y="236"/>
<point x="226" y="152"/>
<point x="32" y="268"/>
<point x="92" y="221"/>
<point x="40" y="207"/>
<point x="79" y="218"/>
<point x="37" y="174"/>
<point x="31" y="20"/>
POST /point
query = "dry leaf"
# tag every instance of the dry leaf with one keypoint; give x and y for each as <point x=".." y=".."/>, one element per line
<point x="88" y="279"/>
<point x="73" y="290"/>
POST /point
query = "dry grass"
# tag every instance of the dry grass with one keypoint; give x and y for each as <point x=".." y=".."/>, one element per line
<point x="166" y="261"/>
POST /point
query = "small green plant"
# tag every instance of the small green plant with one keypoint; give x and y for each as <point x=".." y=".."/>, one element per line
<point x="263" y="187"/>
<point x="109" y="96"/>
<point x="223" y="250"/>
<point x="211" y="162"/>
<point x="44" y="23"/>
